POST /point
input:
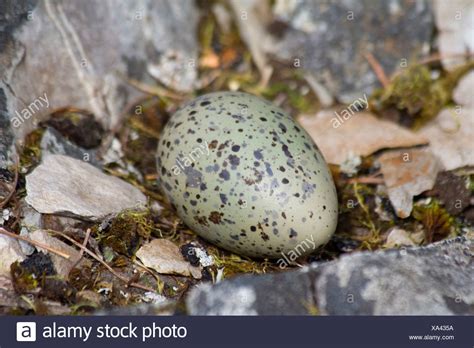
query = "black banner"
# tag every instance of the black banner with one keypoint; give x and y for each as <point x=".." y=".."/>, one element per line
<point x="287" y="331"/>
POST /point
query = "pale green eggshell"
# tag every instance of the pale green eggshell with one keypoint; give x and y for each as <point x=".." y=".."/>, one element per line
<point x="245" y="176"/>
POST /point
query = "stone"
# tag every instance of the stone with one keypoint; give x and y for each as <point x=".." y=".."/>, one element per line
<point x="8" y="297"/>
<point x="330" y="40"/>
<point x="360" y="135"/>
<point x="453" y="192"/>
<point x="81" y="54"/>
<point x="70" y="187"/>
<point x="407" y="173"/>
<point x="26" y="247"/>
<point x="432" y="280"/>
<point x="287" y="293"/>
<point x="450" y="135"/>
<point x="398" y="237"/>
<point x="11" y="252"/>
<point x="463" y="93"/>
<point x="165" y="257"/>
<point x="455" y="31"/>
<point x="53" y="143"/>
<point x="6" y="134"/>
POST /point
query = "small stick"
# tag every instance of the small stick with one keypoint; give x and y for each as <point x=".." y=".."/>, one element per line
<point x="434" y="58"/>
<point x="378" y="70"/>
<point x="366" y="180"/>
<point x="84" y="244"/>
<point x="97" y="258"/>
<point x="437" y="56"/>
<point x="38" y="244"/>
<point x="153" y="90"/>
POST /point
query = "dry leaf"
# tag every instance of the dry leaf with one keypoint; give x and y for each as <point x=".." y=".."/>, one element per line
<point x="408" y="173"/>
<point x="362" y="134"/>
<point x="451" y="137"/>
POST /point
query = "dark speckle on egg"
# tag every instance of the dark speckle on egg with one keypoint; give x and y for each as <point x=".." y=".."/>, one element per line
<point x="245" y="176"/>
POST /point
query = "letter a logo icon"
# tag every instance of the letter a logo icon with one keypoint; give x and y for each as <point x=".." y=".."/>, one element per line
<point x="26" y="332"/>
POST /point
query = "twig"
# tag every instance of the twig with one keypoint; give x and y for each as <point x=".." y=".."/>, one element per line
<point x="38" y="244"/>
<point x="97" y="258"/>
<point x="437" y="56"/>
<point x="15" y="182"/>
<point x="378" y="70"/>
<point x="84" y="244"/>
<point x="366" y="180"/>
<point x="434" y="58"/>
<point x="153" y="90"/>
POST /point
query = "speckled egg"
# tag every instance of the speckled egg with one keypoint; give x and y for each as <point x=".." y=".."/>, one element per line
<point x="245" y="176"/>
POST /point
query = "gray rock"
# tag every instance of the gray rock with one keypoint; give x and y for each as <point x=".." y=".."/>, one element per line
<point x="53" y="143"/>
<point x="58" y="54"/>
<point x="433" y="280"/>
<point x="12" y="15"/>
<point x="331" y="38"/>
<point x="455" y="31"/>
<point x="462" y="94"/>
<point x="286" y="293"/>
<point x="6" y="134"/>
<point x="70" y="187"/>
<point x="11" y="252"/>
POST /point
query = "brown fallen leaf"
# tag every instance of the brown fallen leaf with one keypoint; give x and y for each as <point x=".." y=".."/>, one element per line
<point x="362" y="134"/>
<point x="451" y="137"/>
<point x="408" y="173"/>
<point x="164" y="257"/>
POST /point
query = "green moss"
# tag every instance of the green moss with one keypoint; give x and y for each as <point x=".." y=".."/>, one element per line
<point x="23" y="281"/>
<point x="416" y="94"/>
<point x="232" y="264"/>
<point x="437" y="222"/>
<point x="30" y="155"/>
<point x="126" y="231"/>
<point x="301" y="103"/>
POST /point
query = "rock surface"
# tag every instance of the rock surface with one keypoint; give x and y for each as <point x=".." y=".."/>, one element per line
<point x="331" y="39"/>
<point x="164" y="257"/>
<point x="454" y="20"/>
<point x="80" y="54"/>
<point x="463" y="93"/>
<point x="53" y="143"/>
<point x="287" y="293"/>
<point x="11" y="252"/>
<point x="433" y="280"/>
<point x="67" y="186"/>
<point x="8" y="296"/>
